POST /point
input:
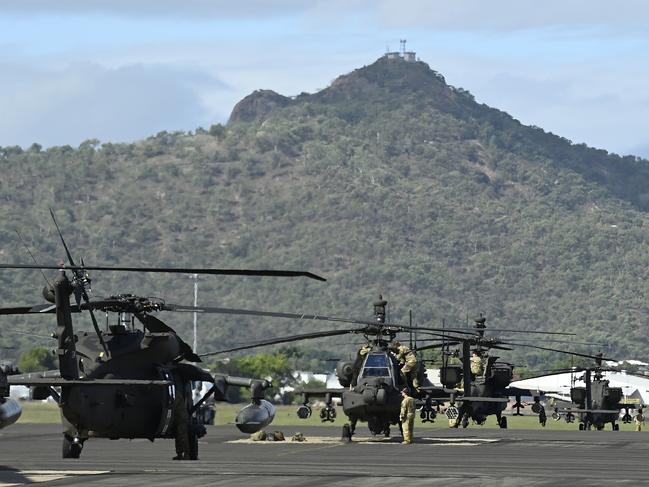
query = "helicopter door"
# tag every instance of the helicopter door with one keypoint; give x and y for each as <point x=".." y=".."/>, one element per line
<point x="377" y="365"/>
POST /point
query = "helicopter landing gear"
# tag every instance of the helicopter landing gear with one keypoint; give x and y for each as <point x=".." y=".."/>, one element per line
<point x="347" y="433"/>
<point x="386" y="431"/>
<point x="502" y="422"/>
<point x="72" y="446"/>
<point x="616" y="427"/>
<point x="465" y="421"/>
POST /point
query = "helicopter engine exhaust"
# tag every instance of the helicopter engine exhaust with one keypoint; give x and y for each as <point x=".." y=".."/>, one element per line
<point x="255" y="416"/>
<point x="10" y="411"/>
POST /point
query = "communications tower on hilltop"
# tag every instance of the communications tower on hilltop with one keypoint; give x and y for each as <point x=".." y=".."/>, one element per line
<point x="408" y="56"/>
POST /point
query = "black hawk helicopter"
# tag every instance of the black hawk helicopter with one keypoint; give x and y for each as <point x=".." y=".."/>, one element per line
<point x="10" y="409"/>
<point x="126" y="382"/>
<point x="481" y="384"/>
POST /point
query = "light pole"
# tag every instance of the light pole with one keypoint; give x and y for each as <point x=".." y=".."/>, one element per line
<point x="194" y="277"/>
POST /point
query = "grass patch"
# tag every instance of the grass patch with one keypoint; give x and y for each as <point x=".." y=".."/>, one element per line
<point x="38" y="412"/>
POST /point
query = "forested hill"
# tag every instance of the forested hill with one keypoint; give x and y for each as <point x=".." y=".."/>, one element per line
<point x="389" y="181"/>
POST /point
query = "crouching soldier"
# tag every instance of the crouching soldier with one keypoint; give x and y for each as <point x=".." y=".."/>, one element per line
<point x="638" y="420"/>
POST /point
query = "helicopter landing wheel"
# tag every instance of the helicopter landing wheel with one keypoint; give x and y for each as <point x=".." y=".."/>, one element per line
<point x="72" y="447"/>
<point x="347" y="433"/>
<point x="616" y="427"/>
<point x="582" y="427"/>
<point x="502" y="423"/>
<point x="465" y="421"/>
<point x="386" y="431"/>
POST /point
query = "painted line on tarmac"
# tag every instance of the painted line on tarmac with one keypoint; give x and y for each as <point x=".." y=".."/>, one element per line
<point x="10" y="478"/>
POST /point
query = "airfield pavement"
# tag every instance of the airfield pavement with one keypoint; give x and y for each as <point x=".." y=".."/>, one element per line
<point x="475" y="456"/>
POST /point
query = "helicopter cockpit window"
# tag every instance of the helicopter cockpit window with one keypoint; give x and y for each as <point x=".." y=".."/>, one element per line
<point x="376" y="365"/>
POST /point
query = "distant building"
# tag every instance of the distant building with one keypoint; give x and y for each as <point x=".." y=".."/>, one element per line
<point x="409" y="56"/>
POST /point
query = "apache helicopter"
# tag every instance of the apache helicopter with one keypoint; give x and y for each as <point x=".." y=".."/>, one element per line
<point x="481" y="383"/>
<point x="125" y="382"/>
<point x="596" y="403"/>
<point x="373" y="381"/>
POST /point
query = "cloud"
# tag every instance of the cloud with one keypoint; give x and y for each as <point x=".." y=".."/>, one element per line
<point x="514" y="15"/>
<point x="86" y="100"/>
<point x="444" y="15"/>
<point x="201" y="9"/>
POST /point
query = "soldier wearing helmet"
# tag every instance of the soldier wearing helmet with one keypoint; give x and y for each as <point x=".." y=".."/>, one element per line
<point x="410" y="367"/>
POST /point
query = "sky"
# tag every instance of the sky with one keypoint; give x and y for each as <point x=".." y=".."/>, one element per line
<point x="122" y="70"/>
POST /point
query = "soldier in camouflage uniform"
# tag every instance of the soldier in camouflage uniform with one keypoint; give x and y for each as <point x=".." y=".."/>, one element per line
<point x="477" y="364"/>
<point x="638" y="420"/>
<point x="407" y="416"/>
<point x="410" y="368"/>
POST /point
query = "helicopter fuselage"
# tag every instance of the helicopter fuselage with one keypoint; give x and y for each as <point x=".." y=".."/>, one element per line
<point x="599" y="403"/>
<point x="375" y="397"/>
<point x="126" y="411"/>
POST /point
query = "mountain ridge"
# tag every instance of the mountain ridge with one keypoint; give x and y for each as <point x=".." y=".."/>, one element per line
<point x="388" y="181"/>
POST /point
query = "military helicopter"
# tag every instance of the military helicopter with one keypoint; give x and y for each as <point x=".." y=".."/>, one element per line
<point x="481" y="383"/>
<point x="372" y="382"/>
<point x="126" y="382"/>
<point x="10" y="409"/>
<point x="596" y="403"/>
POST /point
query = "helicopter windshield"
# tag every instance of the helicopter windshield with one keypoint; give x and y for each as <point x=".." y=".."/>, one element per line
<point x="376" y="365"/>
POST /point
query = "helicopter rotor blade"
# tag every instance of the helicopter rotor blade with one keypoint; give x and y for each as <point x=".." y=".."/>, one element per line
<point x="303" y="316"/>
<point x="271" y="314"/>
<point x="286" y="339"/>
<point x="65" y="246"/>
<point x="175" y="270"/>
<point x="24" y="310"/>
<point x="155" y="325"/>
<point x="549" y="340"/>
<point x="595" y="357"/>
<point x="435" y="345"/>
<point x="509" y="330"/>
<point x="81" y="281"/>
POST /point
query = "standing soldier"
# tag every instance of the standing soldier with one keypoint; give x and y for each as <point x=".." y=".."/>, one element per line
<point x="181" y="424"/>
<point x="407" y="416"/>
<point x="638" y="420"/>
<point x="410" y="368"/>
